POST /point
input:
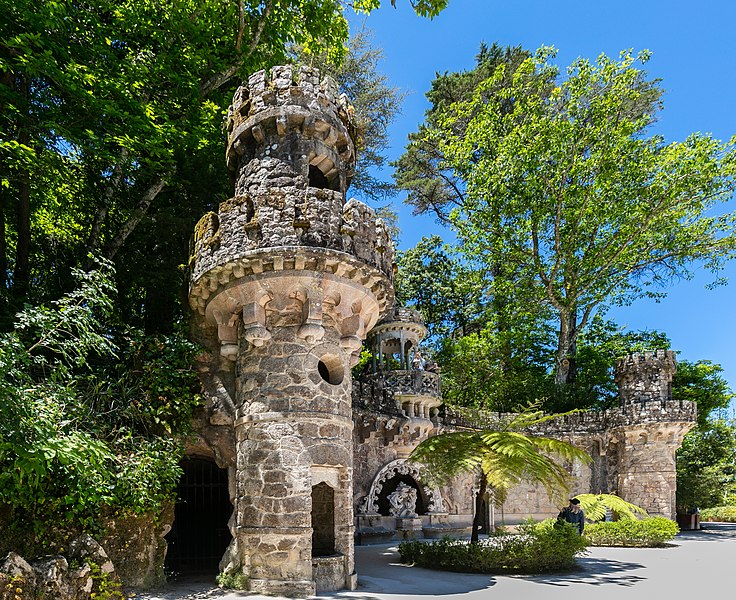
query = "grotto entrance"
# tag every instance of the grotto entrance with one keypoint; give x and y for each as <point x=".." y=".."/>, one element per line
<point x="199" y="535"/>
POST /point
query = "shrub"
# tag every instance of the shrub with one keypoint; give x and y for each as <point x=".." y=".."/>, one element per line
<point x="232" y="579"/>
<point x="719" y="513"/>
<point x="646" y="533"/>
<point x="538" y="548"/>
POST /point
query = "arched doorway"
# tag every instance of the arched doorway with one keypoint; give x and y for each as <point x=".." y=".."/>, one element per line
<point x="199" y="535"/>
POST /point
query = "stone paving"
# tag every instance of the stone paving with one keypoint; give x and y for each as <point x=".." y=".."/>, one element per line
<point x="697" y="564"/>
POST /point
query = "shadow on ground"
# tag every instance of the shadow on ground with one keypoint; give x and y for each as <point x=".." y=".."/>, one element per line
<point x="594" y="572"/>
<point x="710" y="532"/>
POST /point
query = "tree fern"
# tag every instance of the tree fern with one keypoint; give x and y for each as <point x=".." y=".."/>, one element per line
<point x="504" y="455"/>
<point x="595" y="505"/>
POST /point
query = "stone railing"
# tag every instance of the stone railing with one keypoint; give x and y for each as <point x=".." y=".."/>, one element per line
<point x="402" y="314"/>
<point x="376" y="391"/>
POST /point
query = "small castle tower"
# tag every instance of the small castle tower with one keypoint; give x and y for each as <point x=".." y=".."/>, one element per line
<point x="645" y="376"/>
<point x="287" y="279"/>
<point x="650" y="430"/>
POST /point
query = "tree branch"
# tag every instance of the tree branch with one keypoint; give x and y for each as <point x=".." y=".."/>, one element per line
<point x="224" y="76"/>
<point x="145" y="202"/>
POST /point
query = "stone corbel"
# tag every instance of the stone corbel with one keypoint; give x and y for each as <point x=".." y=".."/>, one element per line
<point x="254" y="321"/>
<point x="227" y="333"/>
<point x="352" y="332"/>
<point x="311" y="329"/>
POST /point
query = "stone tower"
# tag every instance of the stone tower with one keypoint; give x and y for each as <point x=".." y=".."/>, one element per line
<point x="287" y="278"/>
<point x="650" y="430"/>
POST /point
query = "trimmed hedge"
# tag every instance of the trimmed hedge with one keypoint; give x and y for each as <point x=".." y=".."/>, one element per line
<point x="652" y="532"/>
<point x="538" y="548"/>
<point x="726" y="514"/>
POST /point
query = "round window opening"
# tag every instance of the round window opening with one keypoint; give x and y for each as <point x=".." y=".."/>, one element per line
<point x="330" y="369"/>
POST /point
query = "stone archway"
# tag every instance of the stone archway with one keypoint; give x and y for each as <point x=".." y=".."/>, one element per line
<point x="395" y="471"/>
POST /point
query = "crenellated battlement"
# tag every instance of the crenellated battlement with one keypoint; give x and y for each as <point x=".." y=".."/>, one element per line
<point x="645" y="376"/>
<point x="238" y="238"/>
<point x="299" y="107"/>
<point x="285" y="85"/>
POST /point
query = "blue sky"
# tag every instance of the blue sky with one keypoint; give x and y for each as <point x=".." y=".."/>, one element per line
<point x="693" y="51"/>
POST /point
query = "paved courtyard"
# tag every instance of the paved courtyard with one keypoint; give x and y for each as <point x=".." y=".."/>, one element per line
<point x="697" y="565"/>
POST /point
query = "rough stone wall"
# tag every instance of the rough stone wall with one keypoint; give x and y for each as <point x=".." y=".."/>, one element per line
<point x="645" y="376"/>
<point x="293" y="431"/>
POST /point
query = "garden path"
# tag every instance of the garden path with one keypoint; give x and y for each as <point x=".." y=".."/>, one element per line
<point x="697" y="564"/>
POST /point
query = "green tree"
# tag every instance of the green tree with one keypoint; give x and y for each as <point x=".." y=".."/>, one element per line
<point x="432" y="184"/>
<point x="564" y="184"/>
<point x="76" y="436"/>
<point x="706" y="466"/>
<point x="504" y="455"/>
<point x="701" y="382"/>
<point x="496" y="371"/>
<point x="432" y="280"/>
<point x="111" y="123"/>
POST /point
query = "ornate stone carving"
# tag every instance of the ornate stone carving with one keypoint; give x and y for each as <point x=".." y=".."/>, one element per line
<point x="369" y="505"/>
<point x="403" y="501"/>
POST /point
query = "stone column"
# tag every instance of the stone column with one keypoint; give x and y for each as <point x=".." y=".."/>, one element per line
<point x="294" y="430"/>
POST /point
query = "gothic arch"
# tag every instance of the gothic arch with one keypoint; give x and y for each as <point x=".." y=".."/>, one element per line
<point x="400" y="466"/>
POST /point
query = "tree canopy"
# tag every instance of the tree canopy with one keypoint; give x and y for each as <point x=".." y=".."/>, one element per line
<point x="563" y="184"/>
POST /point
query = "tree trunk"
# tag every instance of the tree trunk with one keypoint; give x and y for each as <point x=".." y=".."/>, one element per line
<point x="3" y="246"/>
<point x="21" y="272"/>
<point x="565" y="368"/>
<point x="478" y="517"/>
<point x="111" y="249"/>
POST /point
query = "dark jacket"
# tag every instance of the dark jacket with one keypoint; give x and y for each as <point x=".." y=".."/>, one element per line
<point x="577" y="519"/>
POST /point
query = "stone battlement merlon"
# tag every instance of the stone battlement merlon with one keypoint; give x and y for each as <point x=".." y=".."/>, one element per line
<point x="271" y="108"/>
<point x="650" y="359"/>
<point x="645" y="376"/>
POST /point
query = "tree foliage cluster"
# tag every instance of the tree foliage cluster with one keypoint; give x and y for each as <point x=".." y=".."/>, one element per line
<point x="81" y="433"/>
<point x="564" y="204"/>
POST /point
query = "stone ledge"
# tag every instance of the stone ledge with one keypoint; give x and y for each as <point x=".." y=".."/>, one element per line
<point x="290" y="416"/>
<point x="252" y="264"/>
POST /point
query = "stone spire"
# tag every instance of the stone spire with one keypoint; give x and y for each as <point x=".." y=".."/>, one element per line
<point x="287" y="279"/>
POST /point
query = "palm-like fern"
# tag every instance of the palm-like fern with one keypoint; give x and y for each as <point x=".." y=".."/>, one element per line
<point x="595" y="505"/>
<point x="504" y="455"/>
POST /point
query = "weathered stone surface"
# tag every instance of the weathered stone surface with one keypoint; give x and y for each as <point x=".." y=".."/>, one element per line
<point x="136" y="546"/>
<point x="287" y="279"/>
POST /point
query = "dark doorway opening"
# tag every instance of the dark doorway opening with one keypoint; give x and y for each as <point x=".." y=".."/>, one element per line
<point x="323" y="520"/>
<point x="199" y="535"/>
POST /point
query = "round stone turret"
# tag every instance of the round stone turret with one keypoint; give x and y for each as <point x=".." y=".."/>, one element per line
<point x="286" y="279"/>
<point x="645" y="376"/>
